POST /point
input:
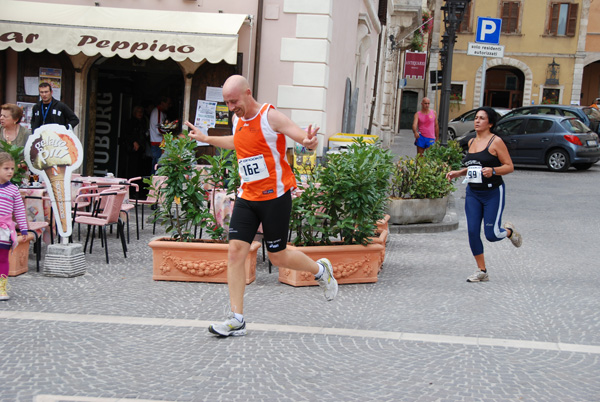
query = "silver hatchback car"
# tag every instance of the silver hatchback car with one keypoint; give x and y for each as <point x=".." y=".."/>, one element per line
<point x="556" y="141"/>
<point x="464" y="123"/>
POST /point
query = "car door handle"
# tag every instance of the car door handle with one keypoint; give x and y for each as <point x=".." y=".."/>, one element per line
<point x="545" y="139"/>
<point x="513" y="141"/>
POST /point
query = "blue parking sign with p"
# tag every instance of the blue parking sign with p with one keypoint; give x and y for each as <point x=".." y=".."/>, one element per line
<point x="488" y="30"/>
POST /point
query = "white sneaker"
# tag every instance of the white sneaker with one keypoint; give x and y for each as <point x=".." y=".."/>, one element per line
<point x="327" y="281"/>
<point x="230" y="327"/>
<point x="515" y="237"/>
<point x="478" y="276"/>
<point x="4" y="287"/>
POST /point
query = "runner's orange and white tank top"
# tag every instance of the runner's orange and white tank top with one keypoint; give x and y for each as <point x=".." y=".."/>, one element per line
<point x="262" y="160"/>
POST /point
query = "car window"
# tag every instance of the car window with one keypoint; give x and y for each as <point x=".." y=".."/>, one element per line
<point x="469" y="116"/>
<point x="537" y="126"/>
<point x="518" y="112"/>
<point x="568" y="113"/>
<point x="574" y="126"/>
<point x="547" y="110"/>
<point x="509" y="127"/>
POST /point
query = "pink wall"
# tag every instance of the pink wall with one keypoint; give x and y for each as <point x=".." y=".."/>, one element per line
<point x="272" y="71"/>
<point x="341" y="61"/>
<point x="342" y="64"/>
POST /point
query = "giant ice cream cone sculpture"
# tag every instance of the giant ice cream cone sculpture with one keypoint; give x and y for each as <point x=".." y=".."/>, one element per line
<point x="56" y="175"/>
<point x="53" y="152"/>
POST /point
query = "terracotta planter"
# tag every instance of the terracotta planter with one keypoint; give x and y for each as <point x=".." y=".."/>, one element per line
<point x="204" y="261"/>
<point x="351" y="263"/>
<point x="382" y="239"/>
<point x="409" y="211"/>
<point x="18" y="259"/>
<point x="382" y="224"/>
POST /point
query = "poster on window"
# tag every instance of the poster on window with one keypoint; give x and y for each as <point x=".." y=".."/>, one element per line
<point x="214" y="94"/>
<point x="53" y="76"/>
<point x="206" y="117"/>
<point x="27" y="113"/>
<point x="222" y="115"/>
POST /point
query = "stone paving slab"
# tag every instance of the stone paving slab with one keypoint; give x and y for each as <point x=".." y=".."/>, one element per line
<point x="118" y="334"/>
<point x="184" y="364"/>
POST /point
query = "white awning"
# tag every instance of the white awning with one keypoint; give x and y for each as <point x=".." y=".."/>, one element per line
<point x="119" y="31"/>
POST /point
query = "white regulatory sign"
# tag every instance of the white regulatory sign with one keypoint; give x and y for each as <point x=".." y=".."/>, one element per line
<point x="484" y="50"/>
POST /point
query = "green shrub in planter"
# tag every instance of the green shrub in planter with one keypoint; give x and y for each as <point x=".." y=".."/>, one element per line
<point x="425" y="176"/>
<point x="450" y="154"/>
<point x="183" y="200"/>
<point x="420" y="177"/>
<point x="344" y="199"/>
<point x="222" y="175"/>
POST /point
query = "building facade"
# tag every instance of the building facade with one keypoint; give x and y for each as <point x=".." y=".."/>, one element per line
<point x="546" y="58"/>
<point x="329" y="63"/>
<point x="590" y="87"/>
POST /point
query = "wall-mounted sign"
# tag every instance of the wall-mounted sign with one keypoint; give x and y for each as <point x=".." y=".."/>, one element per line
<point x="414" y="65"/>
<point x="480" y="49"/>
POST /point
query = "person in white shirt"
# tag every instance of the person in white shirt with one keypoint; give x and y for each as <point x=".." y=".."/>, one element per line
<point x="157" y="118"/>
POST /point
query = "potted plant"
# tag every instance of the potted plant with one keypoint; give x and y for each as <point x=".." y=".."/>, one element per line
<point x="455" y="101"/>
<point x="16" y="152"/>
<point x="185" y="207"/>
<point x="336" y="213"/>
<point x="419" y="188"/>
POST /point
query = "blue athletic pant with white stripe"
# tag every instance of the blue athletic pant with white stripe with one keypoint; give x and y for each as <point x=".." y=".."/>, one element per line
<point x="486" y="206"/>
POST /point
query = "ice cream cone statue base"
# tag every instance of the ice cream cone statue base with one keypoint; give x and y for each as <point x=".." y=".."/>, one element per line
<point x="65" y="260"/>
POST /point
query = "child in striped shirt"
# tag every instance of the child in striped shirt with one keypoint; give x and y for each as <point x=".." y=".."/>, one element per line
<point x="11" y="204"/>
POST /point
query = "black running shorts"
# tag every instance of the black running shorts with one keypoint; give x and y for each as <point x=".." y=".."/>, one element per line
<point x="273" y="214"/>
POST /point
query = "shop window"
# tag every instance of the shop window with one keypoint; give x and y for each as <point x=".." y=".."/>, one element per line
<point x="510" y="16"/>
<point x="550" y="96"/>
<point x="466" y="26"/>
<point x="563" y="19"/>
<point x="457" y="92"/>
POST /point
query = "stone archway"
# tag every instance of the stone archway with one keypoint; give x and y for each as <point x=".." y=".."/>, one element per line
<point x="504" y="61"/>
<point x="590" y="81"/>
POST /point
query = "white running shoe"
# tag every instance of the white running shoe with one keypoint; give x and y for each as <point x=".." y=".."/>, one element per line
<point x="478" y="276"/>
<point x="230" y="327"/>
<point x="327" y="281"/>
<point x="515" y="238"/>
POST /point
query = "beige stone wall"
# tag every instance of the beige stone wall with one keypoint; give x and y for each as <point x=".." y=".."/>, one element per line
<point x="530" y="50"/>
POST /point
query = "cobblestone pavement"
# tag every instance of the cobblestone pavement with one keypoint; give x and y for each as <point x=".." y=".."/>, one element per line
<point x="421" y="333"/>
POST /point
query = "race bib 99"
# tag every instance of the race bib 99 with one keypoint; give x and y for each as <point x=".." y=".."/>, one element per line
<point x="253" y="168"/>
<point x="474" y="175"/>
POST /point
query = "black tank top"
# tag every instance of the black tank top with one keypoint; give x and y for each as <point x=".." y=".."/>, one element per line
<point x="484" y="159"/>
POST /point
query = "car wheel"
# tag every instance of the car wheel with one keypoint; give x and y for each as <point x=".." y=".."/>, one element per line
<point x="558" y="160"/>
<point x="582" y="166"/>
<point x="451" y="134"/>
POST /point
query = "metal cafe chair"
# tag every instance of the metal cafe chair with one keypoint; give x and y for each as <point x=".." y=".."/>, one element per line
<point x="106" y="211"/>
<point x="151" y="199"/>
